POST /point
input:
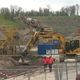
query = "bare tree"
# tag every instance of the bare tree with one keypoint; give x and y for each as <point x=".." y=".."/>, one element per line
<point x="15" y="11"/>
<point x="72" y="10"/>
<point x="5" y="12"/>
<point x="40" y="11"/>
<point x="77" y="9"/>
<point x="69" y="10"/>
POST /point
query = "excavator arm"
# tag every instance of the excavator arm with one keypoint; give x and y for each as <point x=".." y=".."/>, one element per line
<point x="31" y="42"/>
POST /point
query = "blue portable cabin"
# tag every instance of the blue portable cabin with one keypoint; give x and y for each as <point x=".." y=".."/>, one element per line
<point x="43" y="47"/>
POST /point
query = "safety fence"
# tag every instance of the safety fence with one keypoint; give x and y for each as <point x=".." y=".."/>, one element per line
<point x="67" y="70"/>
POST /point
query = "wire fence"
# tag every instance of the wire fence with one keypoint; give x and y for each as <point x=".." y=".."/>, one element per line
<point x="60" y="71"/>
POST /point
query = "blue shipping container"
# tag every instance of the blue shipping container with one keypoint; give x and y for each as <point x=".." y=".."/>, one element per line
<point x="42" y="48"/>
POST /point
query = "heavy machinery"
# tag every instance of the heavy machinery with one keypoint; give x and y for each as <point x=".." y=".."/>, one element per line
<point x="7" y="41"/>
<point x="66" y="48"/>
<point x="46" y="35"/>
<point x="71" y="49"/>
<point x="40" y="34"/>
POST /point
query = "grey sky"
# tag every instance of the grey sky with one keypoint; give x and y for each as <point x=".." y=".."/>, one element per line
<point x="35" y="4"/>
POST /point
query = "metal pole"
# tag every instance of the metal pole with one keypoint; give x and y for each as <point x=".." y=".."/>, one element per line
<point x="66" y="71"/>
<point x="76" y="66"/>
<point x="45" y="75"/>
<point x="24" y="75"/>
<point x="28" y="76"/>
<point x="56" y="72"/>
<point x="60" y="71"/>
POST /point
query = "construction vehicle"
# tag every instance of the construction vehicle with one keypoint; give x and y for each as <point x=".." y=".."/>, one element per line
<point x="67" y="49"/>
<point x="40" y="34"/>
<point x="71" y="50"/>
<point x="46" y="35"/>
<point x="7" y="41"/>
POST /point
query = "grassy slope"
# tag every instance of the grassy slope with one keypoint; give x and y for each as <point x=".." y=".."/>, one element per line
<point x="8" y="23"/>
<point x="62" y="24"/>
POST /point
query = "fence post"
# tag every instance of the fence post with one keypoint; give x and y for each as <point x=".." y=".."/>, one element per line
<point x="45" y="75"/>
<point x="24" y="75"/>
<point x="56" y="72"/>
<point x="28" y="76"/>
<point x="66" y="70"/>
<point x="76" y="66"/>
<point x="60" y="71"/>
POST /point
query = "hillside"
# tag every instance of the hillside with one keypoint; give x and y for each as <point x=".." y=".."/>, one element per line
<point x="62" y="24"/>
<point x="9" y="23"/>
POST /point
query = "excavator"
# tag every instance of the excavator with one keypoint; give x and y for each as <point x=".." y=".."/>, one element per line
<point x="7" y="40"/>
<point x="39" y="34"/>
<point x="71" y="49"/>
<point x="46" y="34"/>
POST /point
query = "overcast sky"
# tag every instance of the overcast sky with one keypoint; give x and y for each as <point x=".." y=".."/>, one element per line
<point x="35" y="4"/>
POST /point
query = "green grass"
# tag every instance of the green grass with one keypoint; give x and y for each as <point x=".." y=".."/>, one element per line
<point x="62" y="24"/>
<point x="8" y="23"/>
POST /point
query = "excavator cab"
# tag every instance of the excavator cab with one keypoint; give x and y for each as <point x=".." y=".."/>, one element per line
<point x="71" y="45"/>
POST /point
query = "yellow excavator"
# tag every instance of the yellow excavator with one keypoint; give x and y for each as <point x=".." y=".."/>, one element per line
<point x="7" y="40"/>
<point x="40" y="33"/>
<point x="71" y="49"/>
<point x="46" y="35"/>
<point x="66" y="48"/>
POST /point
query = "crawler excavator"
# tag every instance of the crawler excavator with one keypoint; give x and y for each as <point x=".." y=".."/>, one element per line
<point x="71" y="50"/>
<point x="45" y="34"/>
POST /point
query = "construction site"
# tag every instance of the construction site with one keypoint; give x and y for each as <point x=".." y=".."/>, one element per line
<point x="22" y="50"/>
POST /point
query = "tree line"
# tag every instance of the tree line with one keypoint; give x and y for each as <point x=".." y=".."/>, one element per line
<point x="14" y="11"/>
